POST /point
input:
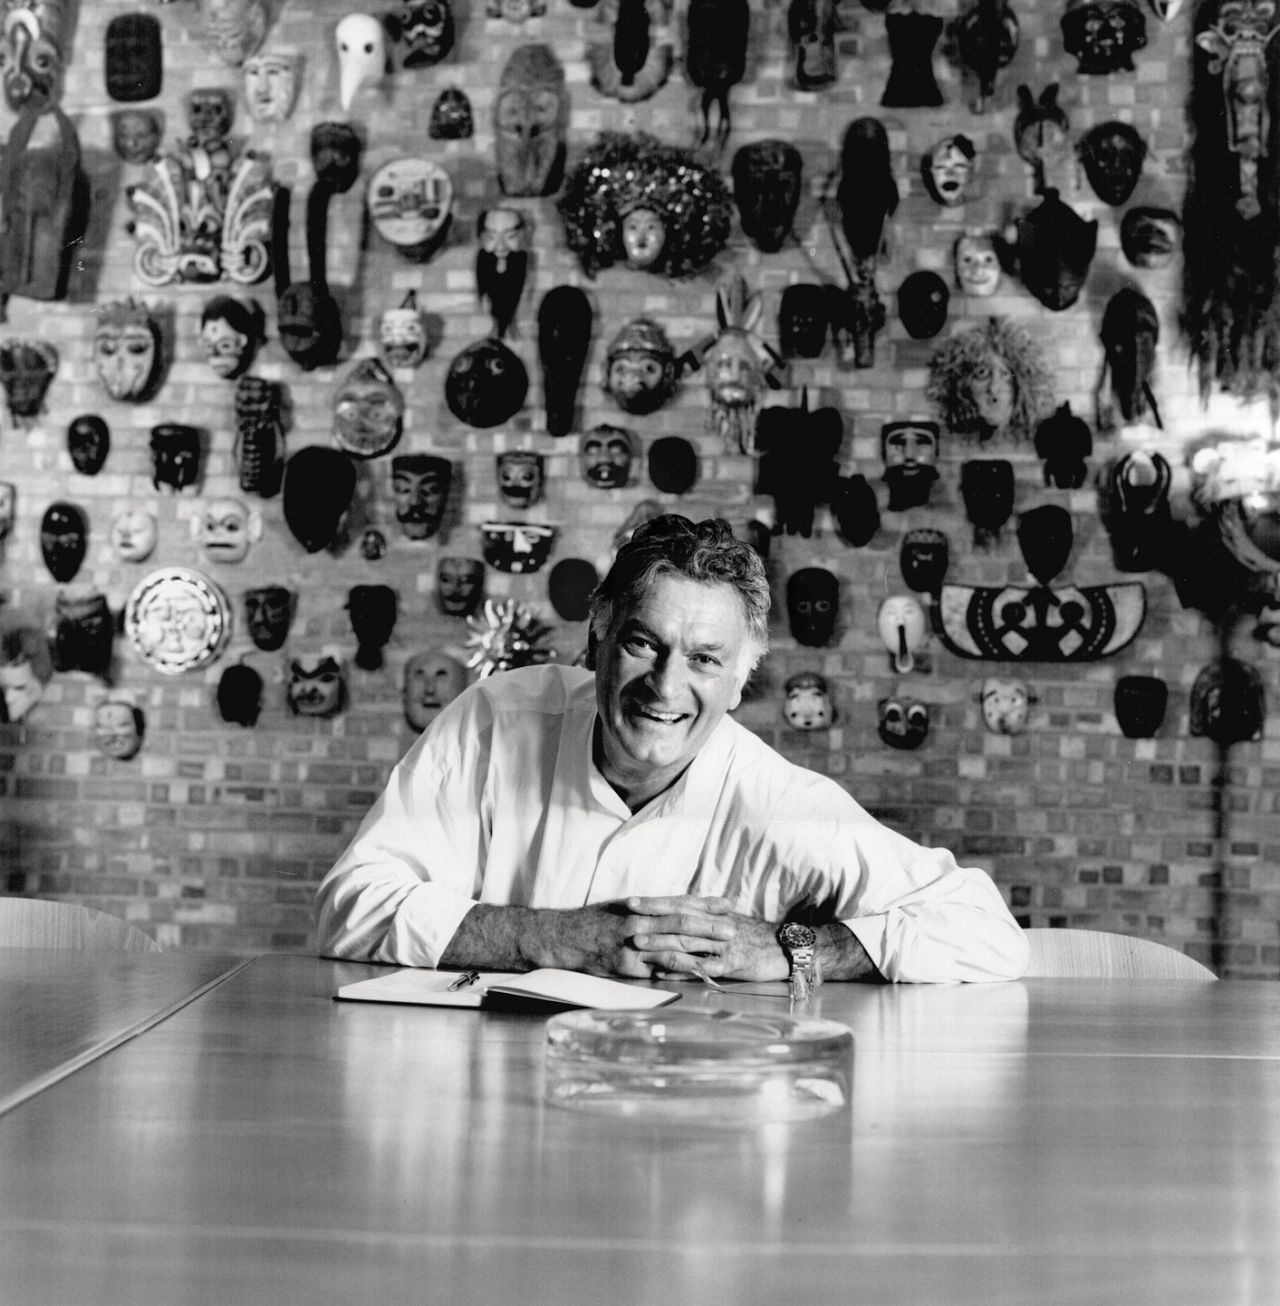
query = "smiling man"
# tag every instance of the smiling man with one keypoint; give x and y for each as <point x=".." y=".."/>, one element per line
<point x="620" y="822"/>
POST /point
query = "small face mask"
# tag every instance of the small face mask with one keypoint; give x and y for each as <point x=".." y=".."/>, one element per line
<point x="521" y="476"/>
<point x="64" y="540"/>
<point x="210" y="112"/>
<point x="1103" y="34"/>
<point x="812" y="603"/>
<point x="904" y="722"/>
<point x="175" y="456"/>
<point x="977" y="266"/>
<point x="902" y="626"/>
<point x="644" y="236"/>
<point x="459" y="585"/>
<point x="240" y="695"/>
<point x="316" y="687"/>
<point x="270" y="86"/>
<point x="806" y="704"/>
<point x="486" y="384"/>
<point x="420" y="485"/>
<point x="229" y="335"/>
<point x="530" y="116"/>
<point x="767" y="183"/>
<point x="1005" y="704"/>
<point x="133" y="535"/>
<point x="368" y="411"/>
<point x="910" y="450"/>
<point x="948" y="169"/>
<point x="923" y="300"/>
<point x="402" y="334"/>
<point x="1140" y="703"/>
<point x="426" y="32"/>
<point x="451" y="116"/>
<point x="924" y="558"/>
<point x="225" y="528"/>
<point x="373" y="545"/>
<point x="518" y="548"/>
<point x="83" y="636"/>
<point x="1150" y="237"/>
<point x="605" y="455"/>
<point x="362" y="55"/>
<point x="1112" y="154"/>
<point x="641" y="368"/>
<point x="126" y="350"/>
<point x="268" y="610"/>
<point x="135" y="135"/>
<point x="118" y="729"/>
<point x="804" y="318"/>
<point x="88" y="443"/>
<point x="236" y="27"/>
<point x="372" y="610"/>
<point x="431" y="681"/>
<point x="20" y="689"/>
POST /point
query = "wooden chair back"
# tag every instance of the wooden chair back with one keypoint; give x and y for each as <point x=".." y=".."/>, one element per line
<point x="37" y="923"/>
<point x="1098" y="954"/>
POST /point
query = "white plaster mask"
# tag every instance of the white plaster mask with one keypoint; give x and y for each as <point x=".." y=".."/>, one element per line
<point x="225" y="528"/>
<point x="902" y="626"/>
<point x="133" y="535"/>
<point x="270" y="85"/>
<point x="362" y="55"/>
<point x="977" y="265"/>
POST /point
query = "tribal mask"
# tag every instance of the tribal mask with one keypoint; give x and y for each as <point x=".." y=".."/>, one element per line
<point x="605" y="455"/>
<point x="530" y="118"/>
<point x="134" y="534"/>
<point x="135" y="134"/>
<point x="316" y="686"/>
<point x="903" y="626"/>
<point x="88" y="443"/>
<point x="903" y="723"/>
<point x="239" y="695"/>
<point x="947" y="169"/>
<point x="459" y="585"/>
<point x="368" y="411"/>
<point x="431" y="682"/>
<point x="923" y="301"/>
<point x="812" y="25"/>
<point x="425" y="30"/>
<point x="806" y="703"/>
<point x="118" y="728"/>
<point x="175" y="456"/>
<point x="910" y="451"/>
<point x="26" y="370"/>
<point x="517" y="548"/>
<point x="451" y="116"/>
<point x="1140" y="703"/>
<point x="804" y="318"/>
<point x="812" y="603"/>
<point x="372" y="610"/>
<point x="126" y="350"/>
<point x="565" y="318"/>
<point x="268" y="611"/>
<point x="270" y="85"/>
<point x="319" y="483"/>
<point x="521" y="477"/>
<point x="237" y="28"/>
<point x="64" y="533"/>
<point x="502" y="263"/>
<point x="641" y="368"/>
<point x="402" y="334"/>
<point x="259" y="447"/>
<point x="1041" y="131"/>
<point x="84" y="631"/>
<point x="486" y="384"/>
<point x="420" y="485"/>
<point x="987" y="486"/>
<point x="32" y="49"/>
<point x="225" y="528"/>
<point x="230" y="333"/>
<point x="1005" y="704"/>
<point x="924" y="558"/>
<point x="1064" y="441"/>
<point x="1150" y="237"/>
<point x="1103" y="34"/>
<point x="1112" y="154"/>
<point x="767" y="181"/>
<point x="1130" y="331"/>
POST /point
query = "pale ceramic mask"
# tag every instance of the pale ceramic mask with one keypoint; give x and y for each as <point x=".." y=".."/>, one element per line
<point x="117" y="729"/>
<point x="644" y="236"/>
<point x="402" y="334"/>
<point x="806" y="704"/>
<point x="225" y="529"/>
<point x="362" y="55"/>
<point x="903" y="626"/>
<point x="133" y="535"/>
<point x="977" y="266"/>
<point x="950" y="169"/>
<point x="431" y="681"/>
<point x="1005" y="704"/>
<point x="270" y="86"/>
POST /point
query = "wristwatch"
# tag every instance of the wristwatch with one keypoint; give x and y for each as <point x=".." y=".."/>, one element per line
<point x="800" y="944"/>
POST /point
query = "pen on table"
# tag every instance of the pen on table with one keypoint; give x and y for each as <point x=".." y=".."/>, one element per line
<point x="704" y="977"/>
<point x="467" y="977"/>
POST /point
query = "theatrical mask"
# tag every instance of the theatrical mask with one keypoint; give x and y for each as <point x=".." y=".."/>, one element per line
<point x="502" y="262"/>
<point x="923" y="301"/>
<point x="225" y="528"/>
<point x="420" y="485"/>
<point x="451" y="116"/>
<point x="84" y="630"/>
<point x="977" y="265"/>
<point x="486" y="384"/>
<point x="425" y="30"/>
<point x="1112" y="154"/>
<point x="411" y="203"/>
<point x="1041" y="131"/>
<point x="910" y="452"/>
<point x="270" y="85"/>
<point x="27" y="368"/>
<point x="230" y="332"/>
<point x="134" y="534"/>
<point x="1130" y="332"/>
<point x="362" y="55"/>
<point x="63" y="540"/>
<point x="372" y="610"/>
<point x="903" y="626"/>
<point x="521" y="477"/>
<point x="924" y="558"/>
<point x="531" y="115"/>
<point x="210" y="113"/>
<point x="1103" y="34"/>
<point x="1005" y="704"/>
<point x="903" y="722"/>
<point x="268" y="611"/>
<point x="236" y="28"/>
<point x="239" y="695"/>
<point x="402" y="334"/>
<point x="948" y="169"/>
<point x="1150" y="237"/>
<point x="605" y="455"/>
<point x="812" y="603"/>
<point x="316" y="686"/>
<point x="335" y="155"/>
<point x="991" y="387"/>
<point x="135" y="134"/>
<point x="126" y="350"/>
<point x="431" y="681"/>
<point x="804" y="317"/>
<point x="8" y="504"/>
<point x="515" y="547"/>
<point x="806" y="703"/>
<point x="368" y="411"/>
<point x="644" y="236"/>
<point x="88" y="443"/>
<point x="32" y="49"/>
<point x="641" y="367"/>
<point x="118" y="728"/>
<point x="767" y="181"/>
<point x="175" y="456"/>
<point x="133" y="57"/>
<point x="459" y="585"/>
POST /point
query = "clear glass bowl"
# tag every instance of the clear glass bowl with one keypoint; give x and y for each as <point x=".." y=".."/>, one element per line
<point x="698" y="1067"/>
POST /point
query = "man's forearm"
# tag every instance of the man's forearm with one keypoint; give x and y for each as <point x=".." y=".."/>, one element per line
<point x="499" y="938"/>
<point x="842" y="957"/>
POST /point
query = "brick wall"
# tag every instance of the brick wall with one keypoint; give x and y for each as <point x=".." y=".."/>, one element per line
<point x="215" y="835"/>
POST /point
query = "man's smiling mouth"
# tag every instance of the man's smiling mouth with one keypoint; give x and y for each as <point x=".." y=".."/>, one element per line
<point x="652" y="714"/>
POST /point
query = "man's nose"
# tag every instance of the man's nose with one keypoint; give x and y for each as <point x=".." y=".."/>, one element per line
<point x="667" y="677"/>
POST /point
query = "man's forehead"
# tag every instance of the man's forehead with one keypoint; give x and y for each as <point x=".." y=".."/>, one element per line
<point x="701" y="612"/>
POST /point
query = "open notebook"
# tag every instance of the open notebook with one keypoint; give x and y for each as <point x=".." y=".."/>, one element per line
<point x="546" y="989"/>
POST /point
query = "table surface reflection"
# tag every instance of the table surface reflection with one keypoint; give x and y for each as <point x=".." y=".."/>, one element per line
<point x="1045" y="1141"/>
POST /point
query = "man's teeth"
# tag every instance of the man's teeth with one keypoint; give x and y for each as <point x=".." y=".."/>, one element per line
<point x="669" y="717"/>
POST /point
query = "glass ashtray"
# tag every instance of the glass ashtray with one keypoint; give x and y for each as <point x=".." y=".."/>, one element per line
<point x="698" y="1067"/>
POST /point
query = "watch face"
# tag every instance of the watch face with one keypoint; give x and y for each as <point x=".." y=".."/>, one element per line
<point x="793" y="935"/>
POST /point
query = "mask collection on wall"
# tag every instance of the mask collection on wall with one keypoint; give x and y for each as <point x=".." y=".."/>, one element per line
<point x="634" y="205"/>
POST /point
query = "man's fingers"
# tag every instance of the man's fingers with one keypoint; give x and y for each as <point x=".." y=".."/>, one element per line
<point x="675" y="961"/>
<point x="675" y="905"/>
<point x="690" y="944"/>
<point x="714" y="929"/>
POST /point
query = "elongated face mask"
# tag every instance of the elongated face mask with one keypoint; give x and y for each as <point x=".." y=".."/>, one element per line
<point x="270" y="86"/>
<point x="459" y="585"/>
<point x="530" y="117"/>
<point x="902" y="625"/>
<point x="126" y="350"/>
<point x="402" y="334"/>
<point x="420" y="485"/>
<point x="64" y="533"/>
<point x="812" y="601"/>
<point x="362" y="55"/>
<point x="431" y="681"/>
<point x="268" y="610"/>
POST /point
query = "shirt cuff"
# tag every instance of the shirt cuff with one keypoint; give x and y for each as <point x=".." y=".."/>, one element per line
<point x="422" y="926"/>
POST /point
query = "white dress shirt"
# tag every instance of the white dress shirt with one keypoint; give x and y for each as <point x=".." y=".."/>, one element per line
<point x="499" y="801"/>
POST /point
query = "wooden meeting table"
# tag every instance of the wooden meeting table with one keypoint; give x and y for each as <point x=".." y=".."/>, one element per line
<point x="1042" y="1141"/>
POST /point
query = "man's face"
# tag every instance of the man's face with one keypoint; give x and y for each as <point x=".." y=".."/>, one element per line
<point x="666" y="673"/>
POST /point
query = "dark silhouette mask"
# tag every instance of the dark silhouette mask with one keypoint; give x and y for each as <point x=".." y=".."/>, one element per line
<point x="1045" y="537"/>
<point x="318" y="485"/>
<point x="565" y="319"/>
<point x="924" y="558"/>
<point x="1140" y="703"/>
<point x="1112" y="154"/>
<point x="1064" y="441"/>
<point x="175" y="456"/>
<point x="372" y="610"/>
<point x="986" y="485"/>
<point x="767" y="178"/>
<point x="804" y="317"/>
<point x="268" y="612"/>
<point x="812" y="604"/>
<point x="64" y="538"/>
